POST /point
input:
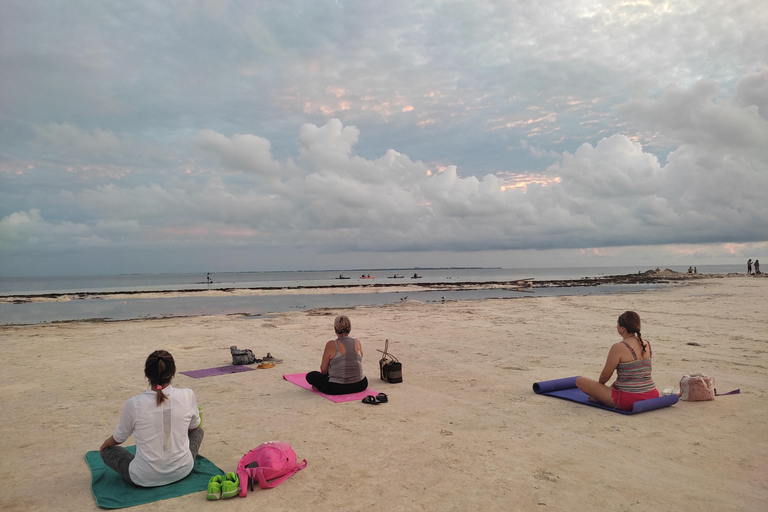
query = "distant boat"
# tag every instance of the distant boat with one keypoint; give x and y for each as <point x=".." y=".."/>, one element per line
<point x="341" y="276"/>
<point x="369" y="276"/>
<point x="415" y="276"/>
<point x="395" y="277"/>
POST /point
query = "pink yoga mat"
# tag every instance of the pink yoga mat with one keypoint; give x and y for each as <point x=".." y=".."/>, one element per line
<point x="300" y="379"/>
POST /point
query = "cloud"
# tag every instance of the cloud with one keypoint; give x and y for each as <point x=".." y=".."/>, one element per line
<point x="28" y="229"/>
<point x="240" y="152"/>
<point x="698" y="117"/>
<point x="753" y="90"/>
<point x="326" y="127"/>
<point x="610" y="194"/>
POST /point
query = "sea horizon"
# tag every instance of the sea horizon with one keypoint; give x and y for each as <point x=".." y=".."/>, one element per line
<point x="171" y="281"/>
<point x="89" y="298"/>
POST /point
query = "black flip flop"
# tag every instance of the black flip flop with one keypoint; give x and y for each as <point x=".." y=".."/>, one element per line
<point x="370" y="399"/>
<point x="381" y="397"/>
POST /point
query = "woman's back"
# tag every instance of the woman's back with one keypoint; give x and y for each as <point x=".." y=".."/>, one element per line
<point x="633" y="373"/>
<point x="161" y="433"/>
<point x="346" y="366"/>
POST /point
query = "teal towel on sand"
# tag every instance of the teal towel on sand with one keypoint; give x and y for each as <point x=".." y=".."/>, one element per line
<point x="112" y="491"/>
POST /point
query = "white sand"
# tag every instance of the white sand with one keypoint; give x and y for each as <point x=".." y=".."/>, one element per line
<point x="463" y="431"/>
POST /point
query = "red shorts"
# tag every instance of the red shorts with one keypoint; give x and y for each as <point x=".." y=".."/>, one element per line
<point x="624" y="399"/>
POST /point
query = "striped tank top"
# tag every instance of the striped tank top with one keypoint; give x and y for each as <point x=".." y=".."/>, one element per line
<point x="634" y="376"/>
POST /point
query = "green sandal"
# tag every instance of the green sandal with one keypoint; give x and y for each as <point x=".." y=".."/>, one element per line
<point x="231" y="486"/>
<point x="214" y="488"/>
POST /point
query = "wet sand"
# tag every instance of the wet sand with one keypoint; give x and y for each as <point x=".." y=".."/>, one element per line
<point x="463" y="431"/>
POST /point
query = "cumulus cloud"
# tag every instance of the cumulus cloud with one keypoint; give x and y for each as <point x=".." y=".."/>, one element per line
<point x="74" y="144"/>
<point x="28" y="229"/>
<point x="613" y="193"/>
<point x="753" y="90"/>
<point x="239" y="152"/>
<point x="697" y="116"/>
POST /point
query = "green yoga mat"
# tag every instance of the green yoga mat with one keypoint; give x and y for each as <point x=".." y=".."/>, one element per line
<point x="112" y="491"/>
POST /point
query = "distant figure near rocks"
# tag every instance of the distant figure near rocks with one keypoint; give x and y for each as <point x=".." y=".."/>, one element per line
<point x="690" y="270"/>
<point x="757" y="267"/>
<point x="749" y="267"/>
<point x="695" y="271"/>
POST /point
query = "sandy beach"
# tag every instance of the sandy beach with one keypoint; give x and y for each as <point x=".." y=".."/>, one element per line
<point x="464" y="431"/>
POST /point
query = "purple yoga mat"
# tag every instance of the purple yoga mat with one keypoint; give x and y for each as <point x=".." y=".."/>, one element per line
<point x="567" y="390"/>
<point x="300" y="379"/>
<point x="219" y="370"/>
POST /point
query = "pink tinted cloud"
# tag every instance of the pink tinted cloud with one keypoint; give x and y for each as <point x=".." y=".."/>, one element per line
<point x="523" y="180"/>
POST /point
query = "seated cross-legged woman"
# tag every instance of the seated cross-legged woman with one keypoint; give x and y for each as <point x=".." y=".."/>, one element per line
<point x="165" y="423"/>
<point x="631" y="359"/>
<point x="341" y="369"/>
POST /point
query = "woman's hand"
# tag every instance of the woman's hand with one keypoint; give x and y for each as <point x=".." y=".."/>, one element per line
<point x="108" y="442"/>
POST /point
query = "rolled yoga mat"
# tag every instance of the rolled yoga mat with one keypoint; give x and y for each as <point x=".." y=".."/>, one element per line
<point x="566" y="389"/>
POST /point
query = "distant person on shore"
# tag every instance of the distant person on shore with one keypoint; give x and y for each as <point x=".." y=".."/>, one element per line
<point x="695" y="271"/>
<point x="165" y="423"/>
<point x="690" y="270"/>
<point x="208" y="278"/>
<point x="341" y="368"/>
<point x="757" y="267"/>
<point x="631" y="360"/>
<point x="749" y="267"/>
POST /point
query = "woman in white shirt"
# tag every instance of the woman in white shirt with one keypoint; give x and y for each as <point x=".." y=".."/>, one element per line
<point x="165" y="424"/>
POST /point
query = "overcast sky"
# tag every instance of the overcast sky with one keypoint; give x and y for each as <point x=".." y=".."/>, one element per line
<point x="186" y="136"/>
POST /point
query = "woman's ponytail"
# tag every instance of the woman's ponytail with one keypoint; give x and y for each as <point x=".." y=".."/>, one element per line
<point x="159" y="370"/>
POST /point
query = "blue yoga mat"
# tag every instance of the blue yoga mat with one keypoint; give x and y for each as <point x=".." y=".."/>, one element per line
<point x="566" y="389"/>
<point x="112" y="491"/>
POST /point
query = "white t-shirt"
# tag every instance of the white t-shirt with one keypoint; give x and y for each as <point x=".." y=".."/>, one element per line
<point x="162" y="441"/>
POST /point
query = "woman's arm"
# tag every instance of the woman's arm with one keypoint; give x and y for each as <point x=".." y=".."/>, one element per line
<point x="613" y="360"/>
<point x="359" y="348"/>
<point x="124" y="427"/>
<point x="330" y="351"/>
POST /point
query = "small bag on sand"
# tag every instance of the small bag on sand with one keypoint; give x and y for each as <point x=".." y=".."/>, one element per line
<point x="697" y="387"/>
<point x="391" y="369"/>
<point x="242" y="356"/>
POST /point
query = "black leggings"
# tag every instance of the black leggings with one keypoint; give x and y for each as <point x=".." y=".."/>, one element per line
<point x="320" y="382"/>
<point x="119" y="459"/>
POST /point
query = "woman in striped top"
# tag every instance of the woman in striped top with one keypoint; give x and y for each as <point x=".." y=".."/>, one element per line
<point x="631" y="359"/>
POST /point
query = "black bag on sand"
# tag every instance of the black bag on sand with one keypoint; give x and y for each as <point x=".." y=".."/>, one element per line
<point x="391" y="369"/>
<point x="242" y="356"/>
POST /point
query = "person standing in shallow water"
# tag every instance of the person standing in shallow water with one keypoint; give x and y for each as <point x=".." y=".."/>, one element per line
<point x="341" y="368"/>
<point x="749" y="267"/>
<point x="757" y="267"/>
<point x="631" y="360"/>
<point x="164" y="421"/>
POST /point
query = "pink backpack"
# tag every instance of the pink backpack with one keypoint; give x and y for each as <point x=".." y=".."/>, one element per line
<point x="273" y="460"/>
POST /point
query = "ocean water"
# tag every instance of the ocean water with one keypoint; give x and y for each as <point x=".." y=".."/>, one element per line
<point x="300" y="279"/>
<point x="85" y="308"/>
